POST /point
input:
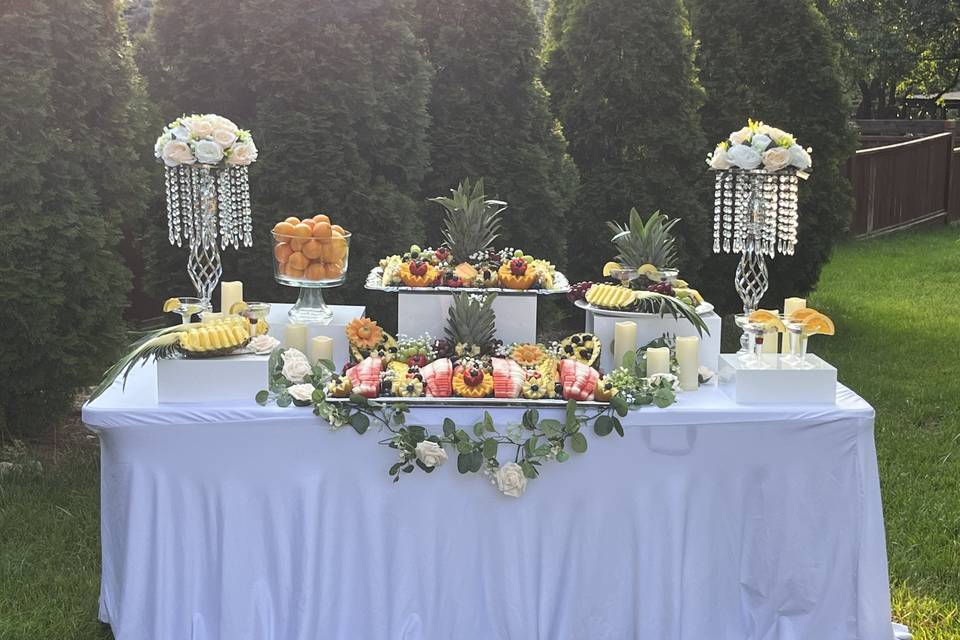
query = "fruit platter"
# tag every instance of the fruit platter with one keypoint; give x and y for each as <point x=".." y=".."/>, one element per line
<point x="642" y="279"/>
<point x="469" y="365"/>
<point x="466" y="260"/>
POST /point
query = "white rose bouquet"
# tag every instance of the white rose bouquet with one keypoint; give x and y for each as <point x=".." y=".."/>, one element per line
<point x="207" y="139"/>
<point x="759" y="145"/>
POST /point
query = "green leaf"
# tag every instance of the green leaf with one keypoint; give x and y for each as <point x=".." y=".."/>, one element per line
<point x="629" y="360"/>
<point x="603" y="426"/>
<point x="617" y="426"/>
<point x="476" y="461"/>
<point x="563" y="456"/>
<point x="359" y="400"/>
<point x="530" y="419"/>
<point x="530" y="446"/>
<point x="284" y="400"/>
<point x="449" y="427"/>
<point x="399" y="418"/>
<point x="552" y="428"/>
<point x="327" y="364"/>
<point x="262" y="397"/>
<point x="578" y="442"/>
<point x="463" y="463"/>
<point x="528" y="470"/>
<point x="571" y="413"/>
<point x="318" y="396"/>
<point x="395" y="468"/>
<point x="478" y="429"/>
<point x="419" y="433"/>
<point x="465" y="446"/>
<point x="359" y="422"/>
<point x="619" y="405"/>
<point x="490" y="447"/>
<point x="425" y="467"/>
<point x="663" y="398"/>
<point x="488" y="422"/>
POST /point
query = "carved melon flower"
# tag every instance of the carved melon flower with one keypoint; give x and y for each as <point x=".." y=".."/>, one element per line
<point x="364" y="333"/>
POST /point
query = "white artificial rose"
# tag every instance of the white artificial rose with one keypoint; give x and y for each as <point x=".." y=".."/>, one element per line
<point x="744" y="156"/>
<point x="760" y="142"/>
<point x="719" y="159"/>
<point x="670" y="378"/>
<point x="180" y="132"/>
<point x="764" y="129"/>
<point x="777" y="134"/>
<point x="263" y="344"/>
<point x="430" y="454"/>
<point x="198" y="127"/>
<point x="799" y="157"/>
<point x="208" y="152"/>
<point x="223" y="137"/>
<point x="161" y="143"/>
<point x="219" y="122"/>
<point x="176" y="153"/>
<point x="301" y="392"/>
<point x="295" y="366"/>
<point x="242" y="154"/>
<point x="775" y="159"/>
<point x="510" y="480"/>
<point x="739" y="137"/>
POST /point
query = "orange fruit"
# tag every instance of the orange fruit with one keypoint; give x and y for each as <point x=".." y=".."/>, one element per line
<point x="297" y="261"/>
<point x="817" y="324"/>
<point x="321" y="218"/>
<point x="322" y="230"/>
<point x="337" y="250"/>
<point x="313" y="249"/>
<point x="769" y="319"/>
<point x="292" y="220"/>
<point x="283" y="229"/>
<point x="302" y="231"/>
<point x="297" y="243"/>
<point x="339" y="229"/>
<point x="282" y="251"/>
<point x="800" y="314"/>
<point x="316" y="271"/>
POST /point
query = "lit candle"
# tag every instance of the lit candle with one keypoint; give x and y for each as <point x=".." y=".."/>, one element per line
<point x="658" y="360"/>
<point x="771" y="339"/>
<point x="688" y="357"/>
<point x="321" y="348"/>
<point x="789" y="306"/>
<point x="624" y="340"/>
<point x="230" y="294"/>
<point x="295" y="337"/>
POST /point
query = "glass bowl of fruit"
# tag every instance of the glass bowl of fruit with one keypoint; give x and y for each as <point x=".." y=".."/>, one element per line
<point x="312" y="254"/>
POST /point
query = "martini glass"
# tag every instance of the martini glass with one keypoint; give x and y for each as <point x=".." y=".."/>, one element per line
<point x="797" y="358"/>
<point x="625" y="276"/>
<point x="666" y="275"/>
<point x="188" y="307"/>
<point x="255" y="312"/>
<point x="753" y="358"/>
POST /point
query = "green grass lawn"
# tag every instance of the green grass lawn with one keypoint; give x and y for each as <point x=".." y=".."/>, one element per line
<point x="895" y="304"/>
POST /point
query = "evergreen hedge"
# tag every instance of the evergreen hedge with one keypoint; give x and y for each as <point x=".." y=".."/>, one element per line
<point x="622" y="82"/>
<point x="69" y="180"/>
<point x="782" y="68"/>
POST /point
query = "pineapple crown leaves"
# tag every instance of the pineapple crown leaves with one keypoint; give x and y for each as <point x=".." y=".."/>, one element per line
<point x="673" y="306"/>
<point x="471" y="319"/>
<point x="472" y="221"/>
<point x="153" y="345"/>
<point x="649" y="242"/>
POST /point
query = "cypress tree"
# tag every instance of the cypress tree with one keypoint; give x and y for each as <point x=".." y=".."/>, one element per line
<point x="69" y="179"/>
<point x="621" y="80"/>
<point x="781" y="68"/>
<point x="491" y="119"/>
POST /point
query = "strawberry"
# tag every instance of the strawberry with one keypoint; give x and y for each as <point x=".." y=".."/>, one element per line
<point x="518" y="266"/>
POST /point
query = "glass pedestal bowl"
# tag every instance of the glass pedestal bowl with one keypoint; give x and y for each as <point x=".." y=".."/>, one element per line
<point x="313" y="264"/>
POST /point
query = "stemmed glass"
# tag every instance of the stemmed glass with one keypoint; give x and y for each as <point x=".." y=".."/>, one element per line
<point x="625" y="276"/>
<point x="188" y="307"/>
<point x="797" y="358"/>
<point x="254" y="313"/>
<point x="752" y="358"/>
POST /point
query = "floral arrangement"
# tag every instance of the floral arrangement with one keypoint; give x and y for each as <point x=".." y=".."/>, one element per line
<point x="759" y="145"/>
<point x="206" y="139"/>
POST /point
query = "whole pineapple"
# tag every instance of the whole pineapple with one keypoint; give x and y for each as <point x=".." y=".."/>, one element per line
<point x="649" y="242"/>
<point x="472" y="221"/>
<point x="471" y="324"/>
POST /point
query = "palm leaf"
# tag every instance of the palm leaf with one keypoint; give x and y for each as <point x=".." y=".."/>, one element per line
<point x="659" y="303"/>
<point x="155" y="344"/>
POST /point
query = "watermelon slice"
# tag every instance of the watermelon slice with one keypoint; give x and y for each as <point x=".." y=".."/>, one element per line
<point x="508" y="377"/>
<point x="578" y="380"/>
<point x="438" y="378"/>
<point x="365" y="376"/>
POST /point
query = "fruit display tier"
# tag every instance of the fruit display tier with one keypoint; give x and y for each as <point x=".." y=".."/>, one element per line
<point x="375" y="283"/>
<point x="497" y="403"/>
<point x="702" y="309"/>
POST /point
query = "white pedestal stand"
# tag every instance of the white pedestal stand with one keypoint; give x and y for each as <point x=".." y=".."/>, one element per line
<point x="419" y="313"/>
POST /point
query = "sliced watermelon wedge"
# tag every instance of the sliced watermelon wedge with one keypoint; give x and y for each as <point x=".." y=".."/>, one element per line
<point x="508" y="377"/>
<point x="438" y="378"/>
<point x="365" y="376"/>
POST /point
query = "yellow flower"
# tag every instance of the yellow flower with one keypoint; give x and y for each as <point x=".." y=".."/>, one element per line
<point x="754" y="125"/>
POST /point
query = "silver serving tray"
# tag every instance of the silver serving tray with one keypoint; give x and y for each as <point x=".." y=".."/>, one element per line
<point x="375" y="279"/>
<point x="702" y="309"/>
<point x="490" y="403"/>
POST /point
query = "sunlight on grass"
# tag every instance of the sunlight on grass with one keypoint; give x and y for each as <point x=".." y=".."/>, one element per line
<point x="927" y="618"/>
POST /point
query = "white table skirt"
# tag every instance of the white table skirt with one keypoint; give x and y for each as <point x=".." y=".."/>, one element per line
<point x="708" y="521"/>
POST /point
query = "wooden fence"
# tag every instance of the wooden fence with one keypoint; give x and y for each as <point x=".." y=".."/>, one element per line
<point x="905" y="184"/>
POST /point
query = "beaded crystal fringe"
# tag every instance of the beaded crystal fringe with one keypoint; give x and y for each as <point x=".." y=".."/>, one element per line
<point x="229" y="190"/>
<point x="758" y="205"/>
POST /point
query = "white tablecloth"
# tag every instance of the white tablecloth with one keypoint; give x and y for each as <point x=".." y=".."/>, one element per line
<point x="708" y="521"/>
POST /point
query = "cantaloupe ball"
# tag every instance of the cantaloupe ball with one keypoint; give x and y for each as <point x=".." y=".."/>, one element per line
<point x="297" y="243"/>
<point x="297" y="261"/>
<point x="282" y="251"/>
<point x="333" y="271"/>
<point x="292" y="220"/>
<point x="321" y="217"/>
<point x="302" y="231"/>
<point x="315" y="271"/>
<point x="309" y="222"/>
<point x="292" y="273"/>
<point x="313" y="249"/>
<point x="322" y="230"/>
<point x="283" y="229"/>
<point x="337" y="250"/>
<point x="339" y="229"/>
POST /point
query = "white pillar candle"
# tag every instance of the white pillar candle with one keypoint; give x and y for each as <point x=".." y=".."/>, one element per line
<point x="789" y="306"/>
<point x="624" y="340"/>
<point x="688" y="357"/>
<point x="295" y="337"/>
<point x="230" y="294"/>
<point x="321" y="348"/>
<point x="658" y="360"/>
<point x="771" y="339"/>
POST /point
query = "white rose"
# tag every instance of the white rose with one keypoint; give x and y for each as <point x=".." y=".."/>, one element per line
<point x="301" y="392"/>
<point x="777" y="134"/>
<point x="739" y="137"/>
<point x="744" y="156"/>
<point x="175" y="153"/>
<point x="430" y="454"/>
<point x="776" y="159"/>
<point x="219" y="122"/>
<point x="719" y="159"/>
<point x="208" y="152"/>
<point x="180" y="132"/>
<point x="764" y="129"/>
<point x="161" y="143"/>
<point x="510" y="480"/>
<point x="295" y="366"/>
<point x="263" y="344"/>
<point x="670" y="378"/>
<point x="760" y="142"/>
<point x="223" y="137"/>
<point x="799" y="157"/>
<point x="198" y="127"/>
<point x="242" y="154"/>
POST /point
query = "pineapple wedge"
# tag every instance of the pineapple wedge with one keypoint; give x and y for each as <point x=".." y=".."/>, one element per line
<point x="610" y="296"/>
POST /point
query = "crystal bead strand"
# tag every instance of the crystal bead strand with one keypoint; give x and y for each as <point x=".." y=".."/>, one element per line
<point x="170" y="227"/>
<point x="717" y="208"/>
<point x="223" y="209"/>
<point x="247" y="217"/>
<point x="186" y="204"/>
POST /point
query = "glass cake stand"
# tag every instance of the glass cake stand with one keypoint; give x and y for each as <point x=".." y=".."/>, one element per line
<point x="313" y="264"/>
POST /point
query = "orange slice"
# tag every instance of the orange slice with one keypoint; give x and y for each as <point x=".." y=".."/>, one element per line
<point x="609" y="268"/>
<point x="767" y="318"/>
<point x="800" y="315"/>
<point x="817" y="324"/>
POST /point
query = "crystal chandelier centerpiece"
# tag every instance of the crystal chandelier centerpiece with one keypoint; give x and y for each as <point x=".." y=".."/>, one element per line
<point x="208" y="192"/>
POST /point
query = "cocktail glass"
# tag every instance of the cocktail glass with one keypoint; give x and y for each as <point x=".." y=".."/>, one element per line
<point x="797" y="358"/>
<point x="666" y="275"/>
<point x="753" y="358"/>
<point x="625" y="276"/>
<point x="188" y="307"/>
<point x="255" y="312"/>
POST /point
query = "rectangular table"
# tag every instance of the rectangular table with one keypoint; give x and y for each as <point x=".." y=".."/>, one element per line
<point x="708" y="521"/>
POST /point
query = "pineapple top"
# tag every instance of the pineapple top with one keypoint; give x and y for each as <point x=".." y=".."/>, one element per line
<point x="648" y="242"/>
<point x="472" y="221"/>
<point x="471" y="319"/>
